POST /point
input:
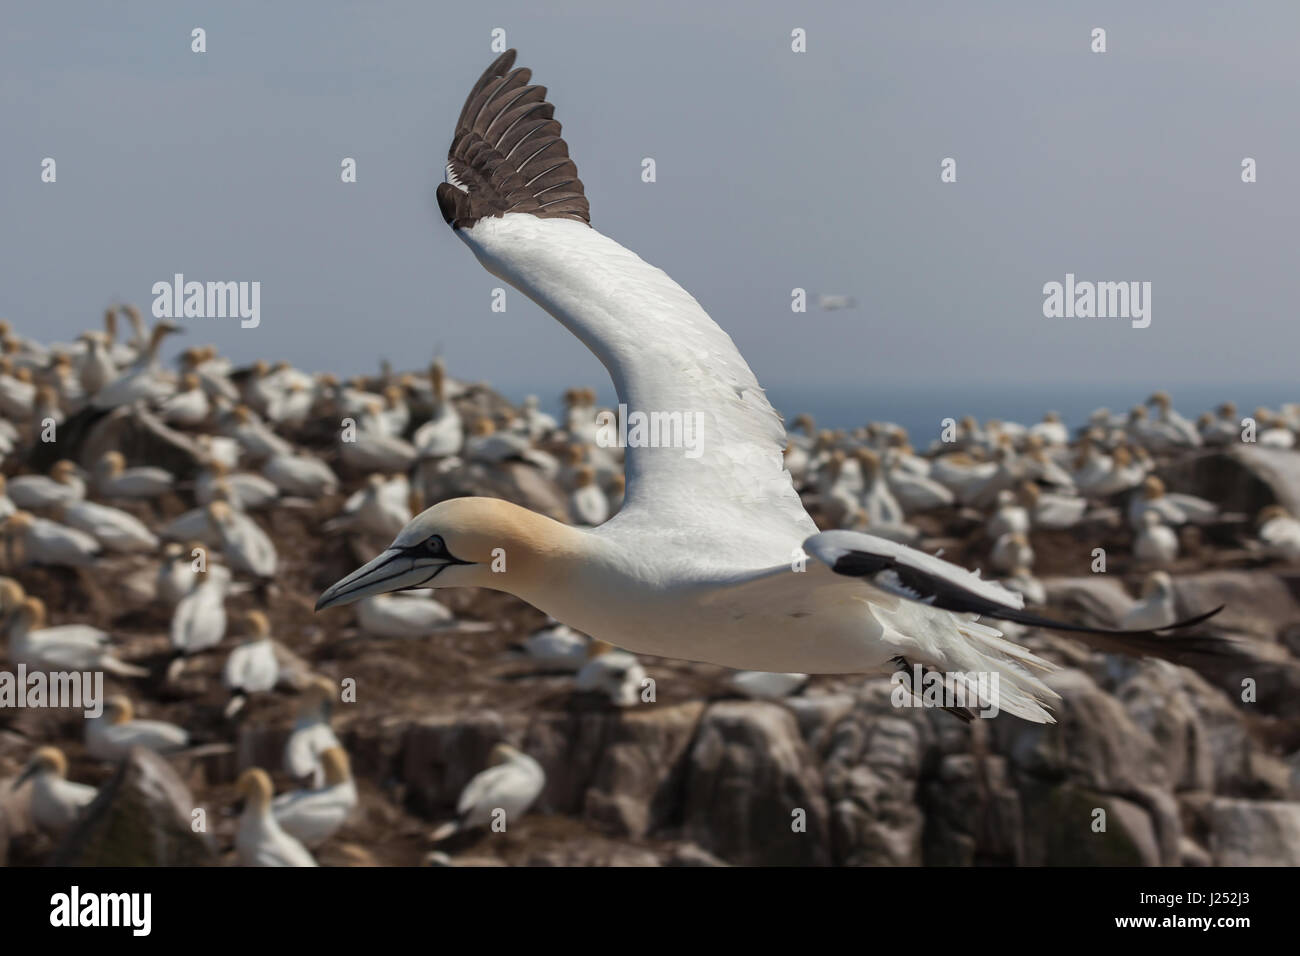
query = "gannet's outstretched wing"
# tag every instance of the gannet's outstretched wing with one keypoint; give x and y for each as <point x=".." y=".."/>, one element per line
<point x="917" y="576"/>
<point x="513" y="195"/>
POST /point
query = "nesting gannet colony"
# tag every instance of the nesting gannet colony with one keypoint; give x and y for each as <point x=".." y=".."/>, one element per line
<point x="374" y="619"/>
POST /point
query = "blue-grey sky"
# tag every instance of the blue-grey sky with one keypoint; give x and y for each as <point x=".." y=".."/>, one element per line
<point x="775" y="170"/>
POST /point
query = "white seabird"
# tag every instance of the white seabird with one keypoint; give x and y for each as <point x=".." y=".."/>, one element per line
<point x="760" y="685"/>
<point x="67" y="647"/>
<point x="114" y="480"/>
<point x="243" y="489"/>
<point x="189" y="406"/>
<point x="381" y="507"/>
<point x="1155" y="542"/>
<point x="144" y="381"/>
<point x="616" y="674"/>
<point x="63" y="484"/>
<point x="111" y="736"/>
<point x="1279" y="532"/>
<point x="409" y="617"/>
<point x="56" y="801"/>
<point x="199" y="621"/>
<point x="1156" y="608"/>
<point x="260" y="841"/>
<point x="246" y="546"/>
<point x="176" y="573"/>
<point x="556" y="645"/>
<point x="709" y="558"/>
<point x="1174" y="509"/>
<point x="252" y="667"/>
<point x="313" y="816"/>
<point x="33" y="540"/>
<point x="587" y="502"/>
<point x="509" y="786"/>
<point x="311" y="735"/>
<point x="301" y="475"/>
<point x="113" y="528"/>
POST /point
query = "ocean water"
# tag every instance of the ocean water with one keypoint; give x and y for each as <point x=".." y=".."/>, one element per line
<point x="921" y="409"/>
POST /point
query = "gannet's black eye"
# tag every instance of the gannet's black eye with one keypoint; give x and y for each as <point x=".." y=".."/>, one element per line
<point x="435" y="545"/>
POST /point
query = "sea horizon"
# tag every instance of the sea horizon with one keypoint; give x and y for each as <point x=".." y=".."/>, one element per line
<point x="921" y="408"/>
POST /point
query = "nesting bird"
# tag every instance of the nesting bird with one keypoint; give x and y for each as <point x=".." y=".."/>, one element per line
<point x="499" y="795"/>
<point x="68" y="647"/>
<point x="56" y="801"/>
<point x="616" y="674"/>
<point x="311" y="735"/>
<point x="314" y="815"/>
<point x="112" y="735"/>
<point x="260" y="840"/>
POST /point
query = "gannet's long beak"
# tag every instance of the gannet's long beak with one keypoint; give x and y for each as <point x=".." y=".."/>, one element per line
<point x="27" y="774"/>
<point x="397" y="569"/>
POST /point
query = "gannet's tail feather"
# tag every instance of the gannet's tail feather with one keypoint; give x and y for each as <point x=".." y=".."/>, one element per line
<point x="982" y="671"/>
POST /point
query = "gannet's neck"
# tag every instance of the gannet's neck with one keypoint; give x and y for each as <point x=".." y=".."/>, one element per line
<point x="533" y="557"/>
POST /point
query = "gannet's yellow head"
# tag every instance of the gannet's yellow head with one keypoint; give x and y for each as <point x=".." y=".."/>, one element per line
<point x="869" y="461"/>
<point x="218" y="509"/>
<point x="319" y="691"/>
<point x="112" y="463"/>
<point x="1157" y="582"/>
<point x="254" y="785"/>
<point x="32" y="611"/>
<point x="1028" y="492"/>
<point x="44" y="760"/>
<point x="11" y="595"/>
<point x="63" y="471"/>
<point x="502" y="753"/>
<point x="119" y="709"/>
<point x="1266" y="514"/>
<point x="461" y="542"/>
<point x="257" y="625"/>
<point x="1153" y="488"/>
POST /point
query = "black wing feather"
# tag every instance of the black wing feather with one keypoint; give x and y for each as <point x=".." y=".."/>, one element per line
<point x="926" y="588"/>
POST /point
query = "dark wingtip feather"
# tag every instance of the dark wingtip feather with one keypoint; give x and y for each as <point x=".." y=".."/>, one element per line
<point x="508" y="154"/>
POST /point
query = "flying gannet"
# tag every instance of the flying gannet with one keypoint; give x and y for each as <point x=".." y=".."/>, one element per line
<point x="712" y="557"/>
